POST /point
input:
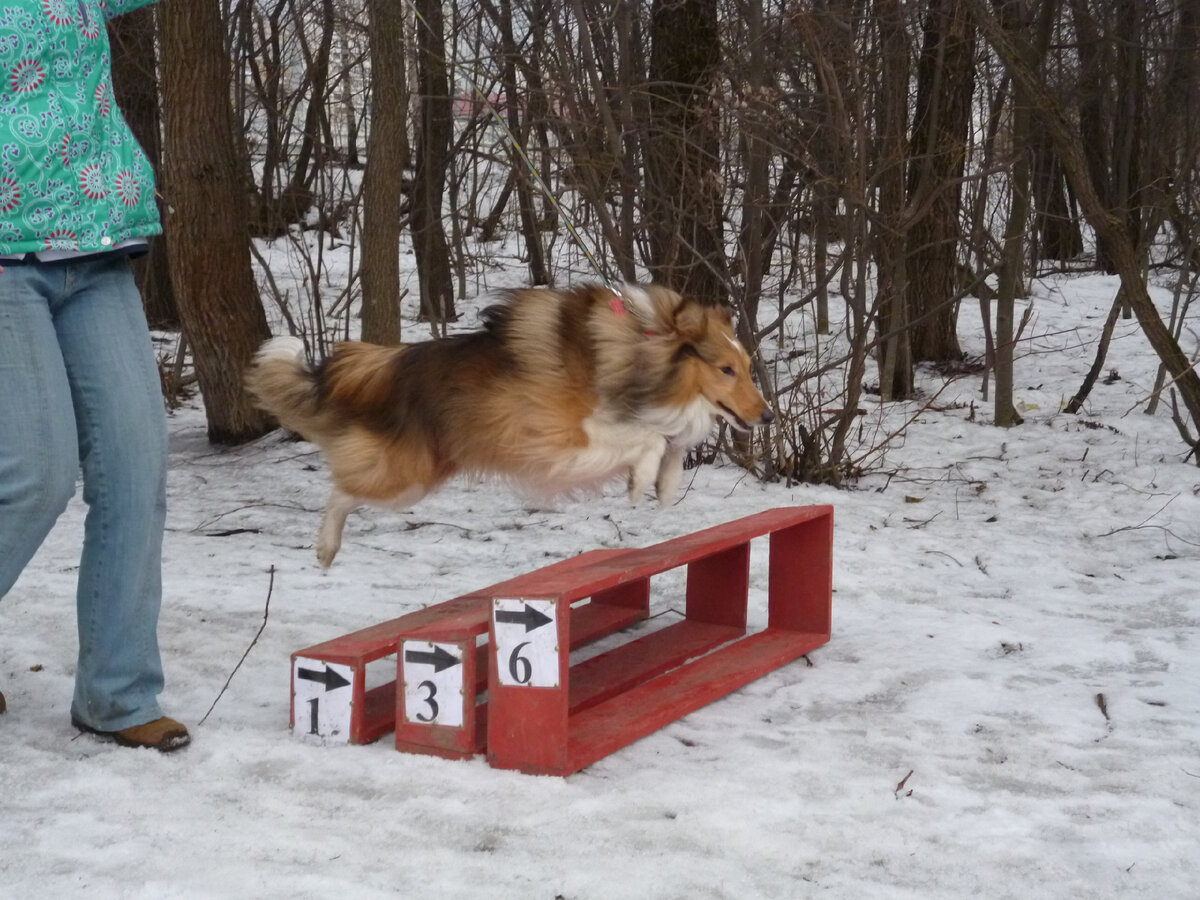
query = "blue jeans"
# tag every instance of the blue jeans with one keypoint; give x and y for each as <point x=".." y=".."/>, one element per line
<point x="79" y="387"/>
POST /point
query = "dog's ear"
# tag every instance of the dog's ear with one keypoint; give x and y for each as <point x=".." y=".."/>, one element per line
<point x="690" y="321"/>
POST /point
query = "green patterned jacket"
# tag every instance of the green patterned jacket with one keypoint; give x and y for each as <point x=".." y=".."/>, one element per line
<point x="72" y="177"/>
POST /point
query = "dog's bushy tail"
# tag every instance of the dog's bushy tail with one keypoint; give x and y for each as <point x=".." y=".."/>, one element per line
<point x="284" y="384"/>
<point x="355" y="383"/>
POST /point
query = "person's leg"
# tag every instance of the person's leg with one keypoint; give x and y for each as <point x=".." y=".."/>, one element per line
<point x="39" y="461"/>
<point x="123" y="448"/>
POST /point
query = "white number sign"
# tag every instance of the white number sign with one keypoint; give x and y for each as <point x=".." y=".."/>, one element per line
<point x="433" y="683"/>
<point x="526" y="645"/>
<point x="321" y="694"/>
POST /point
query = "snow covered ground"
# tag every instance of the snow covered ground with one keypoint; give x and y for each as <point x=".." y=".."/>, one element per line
<point x="1009" y="706"/>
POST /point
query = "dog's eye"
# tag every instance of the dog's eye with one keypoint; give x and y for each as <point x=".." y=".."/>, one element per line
<point x="728" y="370"/>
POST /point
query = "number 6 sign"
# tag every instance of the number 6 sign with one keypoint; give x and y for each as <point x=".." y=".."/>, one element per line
<point x="526" y="642"/>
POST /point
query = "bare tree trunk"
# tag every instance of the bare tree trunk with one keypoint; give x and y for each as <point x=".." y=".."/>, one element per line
<point x="266" y="70"/>
<point x="1130" y="122"/>
<point x="1112" y="118"/>
<point x="433" y="158"/>
<point x="941" y="129"/>
<point x="602" y="133"/>
<point x="683" y="183"/>
<point x="628" y="36"/>
<point x="894" y="352"/>
<point x="490" y="224"/>
<point x="383" y="180"/>
<point x="207" y="221"/>
<point x="758" y="231"/>
<point x="1016" y="234"/>
<point x="349" y="108"/>
<point x="830" y="46"/>
<point x="310" y="155"/>
<point x="1056" y="225"/>
<point x="1012" y="272"/>
<point x="135" y="85"/>
<point x="1089" y="381"/>
<point x="514" y="101"/>
<point x="824" y="213"/>
<point x="945" y="84"/>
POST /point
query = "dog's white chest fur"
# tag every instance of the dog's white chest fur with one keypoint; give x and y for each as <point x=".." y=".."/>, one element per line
<point x="683" y="426"/>
<point x="647" y="449"/>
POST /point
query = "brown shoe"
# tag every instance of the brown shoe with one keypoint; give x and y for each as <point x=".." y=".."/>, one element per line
<point x="3" y="705"/>
<point x="163" y="735"/>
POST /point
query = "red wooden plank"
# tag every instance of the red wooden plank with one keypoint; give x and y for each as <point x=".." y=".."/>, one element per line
<point x="360" y="647"/>
<point x="631" y="565"/>
<point x="458" y="616"/>
<point x="595" y="680"/>
<point x="596" y="620"/>
<point x="634" y="594"/>
<point x="520" y="584"/>
<point x="718" y="587"/>
<point x="371" y="643"/>
<point x="378" y="715"/>
<point x="529" y="724"/>
<point x="642" y="710"/>
<point x="591" y="682"/>
<point x="439" y="744"/>
<point x="589" y="623"/>
<point x="722" y="537"/>
<point x="529" y="728"/>
<point x="360" y="724"/>
<point x="576" y="578"/>
<point x="800" y="576"/>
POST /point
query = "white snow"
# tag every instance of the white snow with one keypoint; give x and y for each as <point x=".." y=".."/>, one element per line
<point x="990" y="585"/>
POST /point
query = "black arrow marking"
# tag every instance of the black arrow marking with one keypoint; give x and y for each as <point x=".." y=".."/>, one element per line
<point x="437" y="657"/>
<point x="528" y="616"/>
<point x="331" y="678"/>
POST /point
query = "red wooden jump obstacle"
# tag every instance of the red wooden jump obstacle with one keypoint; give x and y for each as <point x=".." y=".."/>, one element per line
<point x="543" y="715"/>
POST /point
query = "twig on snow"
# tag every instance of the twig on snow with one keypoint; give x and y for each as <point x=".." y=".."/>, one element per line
<point x="261" y="628"/>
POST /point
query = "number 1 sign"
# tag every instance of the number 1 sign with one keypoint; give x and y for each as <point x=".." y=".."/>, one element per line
<point x="321" y="695"/>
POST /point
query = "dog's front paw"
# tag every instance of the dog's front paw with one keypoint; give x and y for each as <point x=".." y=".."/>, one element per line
<point x="666" y="485"/>
<point x="637" y="487"/>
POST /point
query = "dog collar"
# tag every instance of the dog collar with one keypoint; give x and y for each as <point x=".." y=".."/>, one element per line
<point x="617" y="305"/>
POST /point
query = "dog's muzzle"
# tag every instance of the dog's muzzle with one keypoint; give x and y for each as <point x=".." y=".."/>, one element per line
<point x="741" y="424"/>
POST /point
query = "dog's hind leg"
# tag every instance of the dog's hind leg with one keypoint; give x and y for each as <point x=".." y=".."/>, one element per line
<point x="329" y="538"/>
<point x="341" y="504"/>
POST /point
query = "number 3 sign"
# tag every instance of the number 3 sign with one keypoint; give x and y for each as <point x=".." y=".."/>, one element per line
<point x="433" y="683"/>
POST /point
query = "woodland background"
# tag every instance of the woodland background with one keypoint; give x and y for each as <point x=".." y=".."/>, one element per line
<point x="851" y="175"/>
<point x="1008" y="706"/>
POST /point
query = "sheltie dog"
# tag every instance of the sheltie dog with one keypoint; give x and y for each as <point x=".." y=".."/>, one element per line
<point x="558" y="391"/>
